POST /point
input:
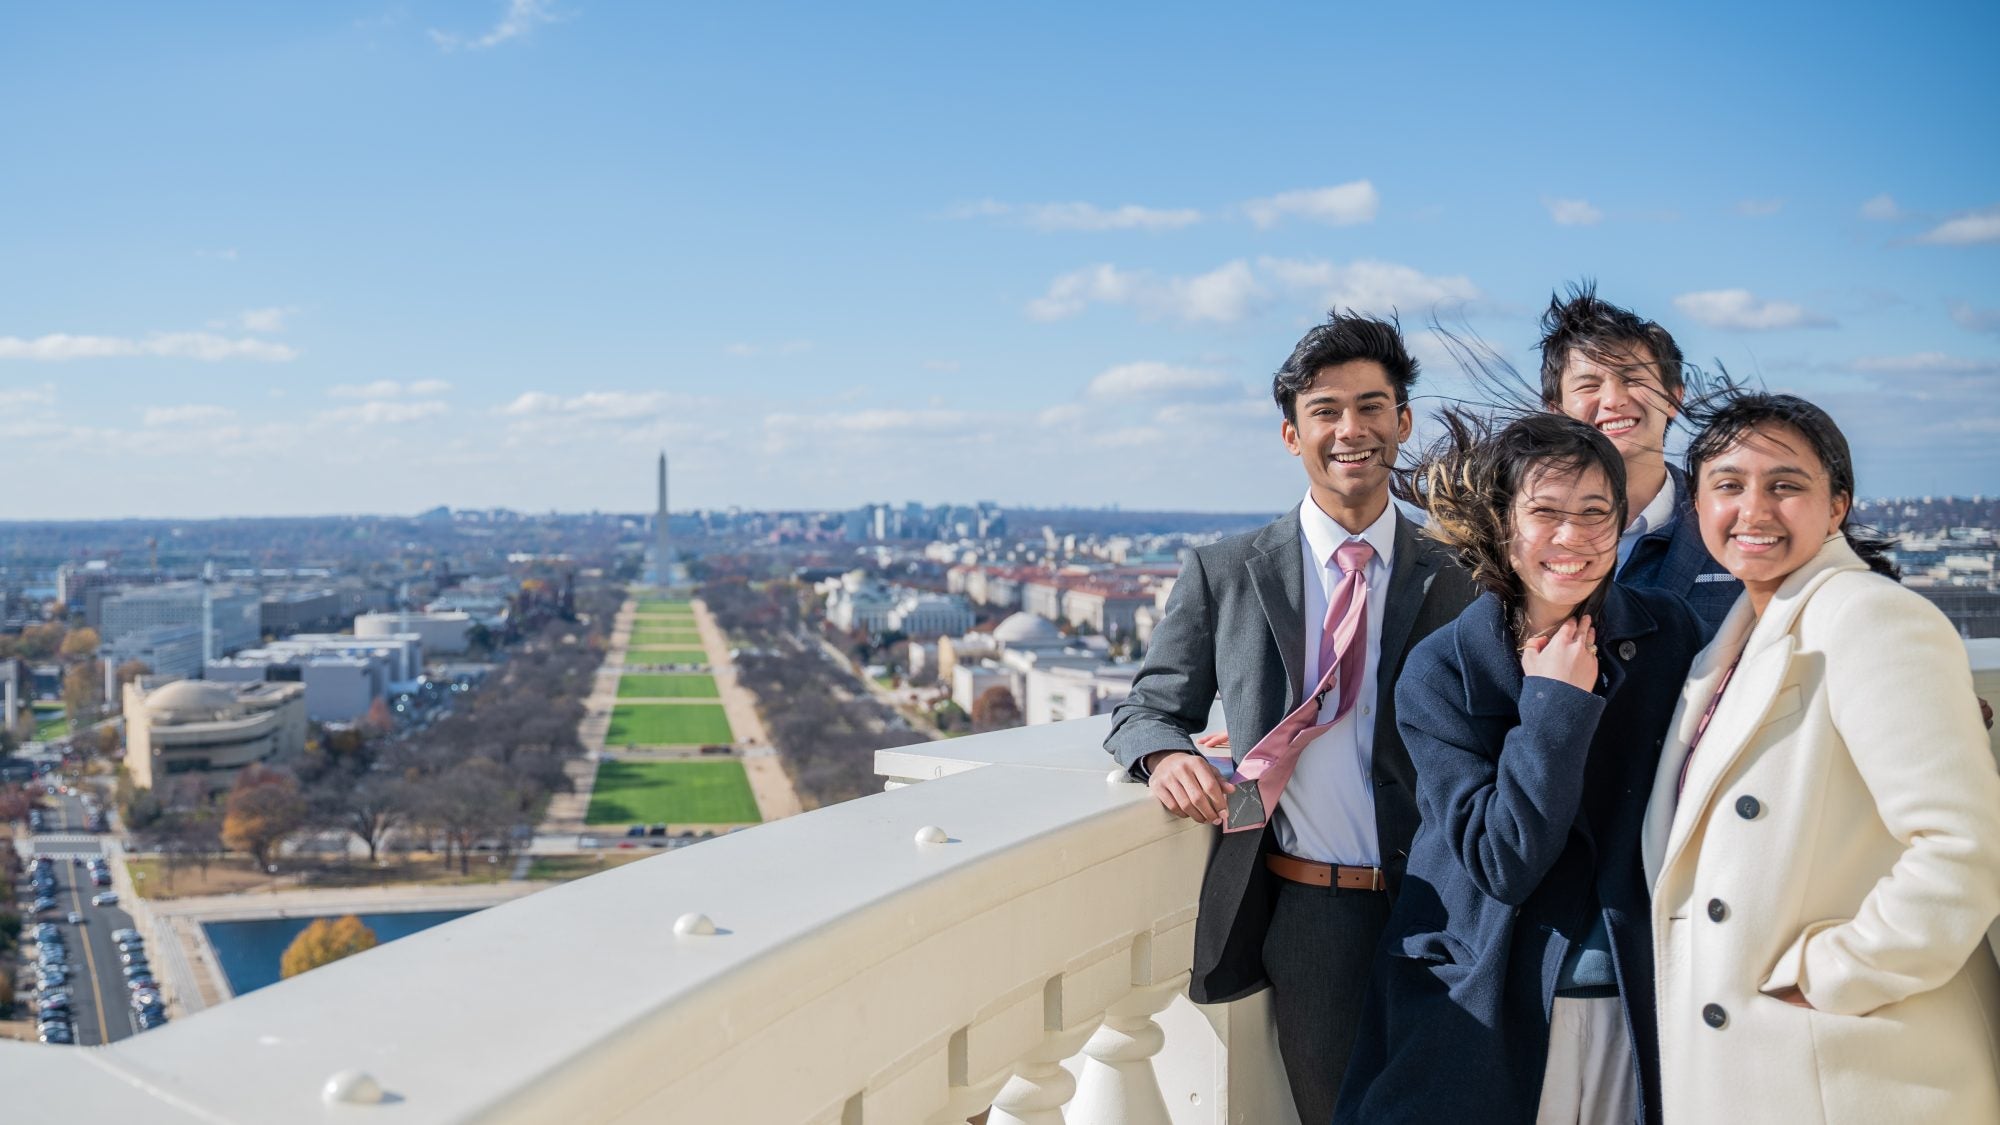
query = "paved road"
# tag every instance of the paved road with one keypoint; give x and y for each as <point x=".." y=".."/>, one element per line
<point x="99" y="999"/>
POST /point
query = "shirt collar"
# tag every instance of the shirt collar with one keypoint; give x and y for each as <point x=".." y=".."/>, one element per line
<point x="1323" y="536"/>
<point x="1657" y="513"/>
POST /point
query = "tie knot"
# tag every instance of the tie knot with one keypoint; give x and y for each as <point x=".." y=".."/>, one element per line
<point x="1353" y="555"/>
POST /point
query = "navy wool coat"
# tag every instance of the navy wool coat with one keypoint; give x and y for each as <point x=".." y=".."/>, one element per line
<point x="1532" y="794"/>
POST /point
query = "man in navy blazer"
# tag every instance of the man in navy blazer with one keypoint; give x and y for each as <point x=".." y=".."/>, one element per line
<point x="1607" y="367"/>
<point x="1299" y="905"/>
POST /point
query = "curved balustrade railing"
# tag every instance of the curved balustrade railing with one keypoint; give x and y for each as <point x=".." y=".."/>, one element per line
<point x="1013" y="932"/>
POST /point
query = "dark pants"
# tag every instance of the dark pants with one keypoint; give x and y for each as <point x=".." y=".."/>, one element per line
<point x="1318" y="954"/>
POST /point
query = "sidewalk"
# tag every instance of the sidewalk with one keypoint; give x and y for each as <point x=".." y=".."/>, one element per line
<point x="769" y="783"/>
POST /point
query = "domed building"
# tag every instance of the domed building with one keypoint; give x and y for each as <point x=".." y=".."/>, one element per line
<point x="208" y="729"/>
<point x="1025" y="630"/>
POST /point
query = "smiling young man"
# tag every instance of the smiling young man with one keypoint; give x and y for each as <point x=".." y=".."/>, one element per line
<point x="1607" y="367"/>
<point x="1302" y="628"/>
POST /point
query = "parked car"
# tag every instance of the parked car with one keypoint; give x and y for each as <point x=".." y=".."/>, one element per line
<point x="108" y="898"/>
<point x="53" y="1002"/>
<point x="59" y="1033"/>
<point x="75" y="918"/>
<point x="149" y="1020"/>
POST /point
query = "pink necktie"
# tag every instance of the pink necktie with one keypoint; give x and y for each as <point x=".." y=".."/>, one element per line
<point x="1343" y="656"/>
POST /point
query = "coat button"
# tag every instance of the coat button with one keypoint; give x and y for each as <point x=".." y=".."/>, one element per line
<point x="1717" y="910"/>
<point x="1748" y="807"/>
<point x="1627" y="650"/>
<point x="1714" y="1016"/>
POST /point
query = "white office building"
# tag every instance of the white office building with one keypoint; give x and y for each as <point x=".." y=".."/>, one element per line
<point x="343" y="676"/>
<point x="234" y="617"/>
<point x="439" y="632"/>
<point x="167" y="651"/>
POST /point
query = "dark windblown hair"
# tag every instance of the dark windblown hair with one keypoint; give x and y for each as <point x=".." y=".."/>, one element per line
<point x="1467" y="479"/>
<point x="1602" y="331"/>
<point x="1730" y="413"/>
<point x="1344" y="337"/>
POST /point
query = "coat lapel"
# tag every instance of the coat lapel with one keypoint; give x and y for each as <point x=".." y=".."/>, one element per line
<point x="1277" y="573"/>
<point x="1409" y="583"/>
<point x="1703" y="677"/>
<point x="1759" y="678"/>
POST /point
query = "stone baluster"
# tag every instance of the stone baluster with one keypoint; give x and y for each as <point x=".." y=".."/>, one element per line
<point x="1041" y="1085"/>
<point x="1117" y="1085"/>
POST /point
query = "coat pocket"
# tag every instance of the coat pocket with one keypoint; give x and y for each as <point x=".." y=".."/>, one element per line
<point x="1433" y="946"/>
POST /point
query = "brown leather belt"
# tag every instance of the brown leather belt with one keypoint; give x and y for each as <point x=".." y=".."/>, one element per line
<point x="1324" y="874"/>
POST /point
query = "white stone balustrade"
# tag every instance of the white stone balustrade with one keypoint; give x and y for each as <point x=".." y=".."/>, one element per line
<point x="829" y="968"/>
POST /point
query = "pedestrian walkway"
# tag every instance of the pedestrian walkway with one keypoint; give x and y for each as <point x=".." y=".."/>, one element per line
<point x="769" y="783"/>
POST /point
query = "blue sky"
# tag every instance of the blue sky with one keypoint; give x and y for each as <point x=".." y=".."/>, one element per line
<point x="340" y="257"/>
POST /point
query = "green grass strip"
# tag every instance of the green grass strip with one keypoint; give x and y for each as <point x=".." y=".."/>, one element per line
<point x="713" y="792"/>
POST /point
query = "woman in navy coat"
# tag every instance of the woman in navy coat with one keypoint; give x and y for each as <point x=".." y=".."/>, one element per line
<point x="1515" y="980"/>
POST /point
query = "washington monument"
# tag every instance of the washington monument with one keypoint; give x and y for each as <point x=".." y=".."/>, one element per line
<point x="663" y="558"/>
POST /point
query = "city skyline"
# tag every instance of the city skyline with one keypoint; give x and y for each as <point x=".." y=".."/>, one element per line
<point x="498" y="253"/>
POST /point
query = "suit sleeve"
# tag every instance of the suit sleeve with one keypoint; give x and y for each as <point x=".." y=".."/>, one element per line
<point x="1175" y="687"/>
<point x="1901" y="695"/>
<point x="1506" y="811"/>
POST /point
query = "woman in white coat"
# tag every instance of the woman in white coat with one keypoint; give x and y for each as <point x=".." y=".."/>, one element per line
<point x="1823" y="840"/>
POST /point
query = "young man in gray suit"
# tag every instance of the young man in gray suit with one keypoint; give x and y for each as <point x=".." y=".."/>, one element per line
<point x="1302" y="627"/>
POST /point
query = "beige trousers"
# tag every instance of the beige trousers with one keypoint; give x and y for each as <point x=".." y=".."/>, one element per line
<point x="1589" y="1079"/>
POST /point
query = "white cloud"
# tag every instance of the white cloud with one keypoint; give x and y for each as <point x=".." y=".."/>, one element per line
<point x="205" y="346"/>
<point x="1368" y="285"/>
<point x="1968" y="229"/>
<point x="14" y="399"/>
<point x="1340" y="205"/>
<point x="521" y="17"/>
<point x="267" y="321"/>
<point x="1744" y="311"/>
<point x="1061" y="414"/>
<point x="1236" y="289"/>
<point x="1148" y="379"/>
<point x="1081" y="216"/>
<point x="390" y="388"/>
<point x="193" y="414"/>
<point x="1881" y="209"/>
<point x="1974" y="319"/>
<point x="1759" y="208"/>
<point x="1222" y="295"/>
<point x="383" y="413"/>
<point x="1572" y="212"/>
<point x="593" y="406"/>
<point x="1926" y="363"/>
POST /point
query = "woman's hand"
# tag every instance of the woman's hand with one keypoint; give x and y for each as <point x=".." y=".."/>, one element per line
<point x="1569" y="655"/>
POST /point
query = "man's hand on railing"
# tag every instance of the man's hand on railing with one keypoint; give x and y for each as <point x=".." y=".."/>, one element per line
<point x="1186" y="785"/>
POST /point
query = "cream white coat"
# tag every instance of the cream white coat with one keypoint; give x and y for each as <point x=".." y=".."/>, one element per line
<point x="1863" y="868"/>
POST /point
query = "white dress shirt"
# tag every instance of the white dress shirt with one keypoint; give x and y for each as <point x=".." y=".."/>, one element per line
<point x="1652" y="518"/>
<point x="1327" y="812"/>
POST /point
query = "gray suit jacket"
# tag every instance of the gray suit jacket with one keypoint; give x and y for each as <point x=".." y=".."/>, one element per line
<point x="1236" y="624"/>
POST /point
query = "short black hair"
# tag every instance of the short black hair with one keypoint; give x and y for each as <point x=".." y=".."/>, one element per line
<point x="1343" y="338"/>
<point x="1582" y="321"/>
<point x="1730" y="415"/>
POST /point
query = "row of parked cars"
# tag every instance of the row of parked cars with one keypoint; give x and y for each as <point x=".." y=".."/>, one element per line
<point x="53" y="1021"/>
<point x="148" y="1009"/>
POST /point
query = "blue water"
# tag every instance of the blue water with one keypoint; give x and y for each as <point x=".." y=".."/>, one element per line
<point x="251" y="951"/>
